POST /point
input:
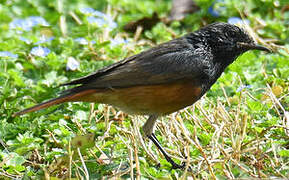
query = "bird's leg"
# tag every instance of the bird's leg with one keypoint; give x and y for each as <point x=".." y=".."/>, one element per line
<point x="148" y="131"/>
<point x="148" y="127"/>
<point x="168" y="158"/>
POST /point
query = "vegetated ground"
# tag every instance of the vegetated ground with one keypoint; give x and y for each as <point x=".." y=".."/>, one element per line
<point x="239" y="129"/>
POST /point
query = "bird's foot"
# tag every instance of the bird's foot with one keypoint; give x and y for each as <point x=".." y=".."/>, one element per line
<point x="178" y="166"/>
<point x="167" y="157"/>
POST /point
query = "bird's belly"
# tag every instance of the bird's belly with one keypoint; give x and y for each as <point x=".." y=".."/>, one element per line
<point x="152" y="99"/>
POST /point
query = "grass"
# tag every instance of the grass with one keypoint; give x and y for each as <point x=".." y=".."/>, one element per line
<point x="239" y="129"/>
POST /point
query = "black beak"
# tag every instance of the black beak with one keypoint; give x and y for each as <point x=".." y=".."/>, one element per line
<point x="253" y="46"/>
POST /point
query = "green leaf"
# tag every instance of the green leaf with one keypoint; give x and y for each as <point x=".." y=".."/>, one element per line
<point x="15" y="160"/>
<point x="284" y="153"/>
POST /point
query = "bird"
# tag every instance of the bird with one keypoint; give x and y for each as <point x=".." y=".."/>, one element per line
<point x="163" y="79"/>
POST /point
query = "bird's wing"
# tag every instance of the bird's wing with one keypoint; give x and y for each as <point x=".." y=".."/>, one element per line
<point x="168" y="62"/>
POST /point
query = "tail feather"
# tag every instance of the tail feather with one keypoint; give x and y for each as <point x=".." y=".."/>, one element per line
<point x="70" y="97"/>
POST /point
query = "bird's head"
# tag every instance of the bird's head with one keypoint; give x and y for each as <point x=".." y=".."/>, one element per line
<point x="228" y="41"/>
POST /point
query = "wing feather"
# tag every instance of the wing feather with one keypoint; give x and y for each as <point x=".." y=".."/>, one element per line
<point x="168" y="62"/>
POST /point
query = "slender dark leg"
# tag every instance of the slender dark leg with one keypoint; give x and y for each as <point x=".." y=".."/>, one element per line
<point x="148" y="131"/>
<point x="168" y="158"/>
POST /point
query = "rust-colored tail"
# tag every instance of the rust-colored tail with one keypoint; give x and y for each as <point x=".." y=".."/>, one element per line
<point x="70" y="97"/>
